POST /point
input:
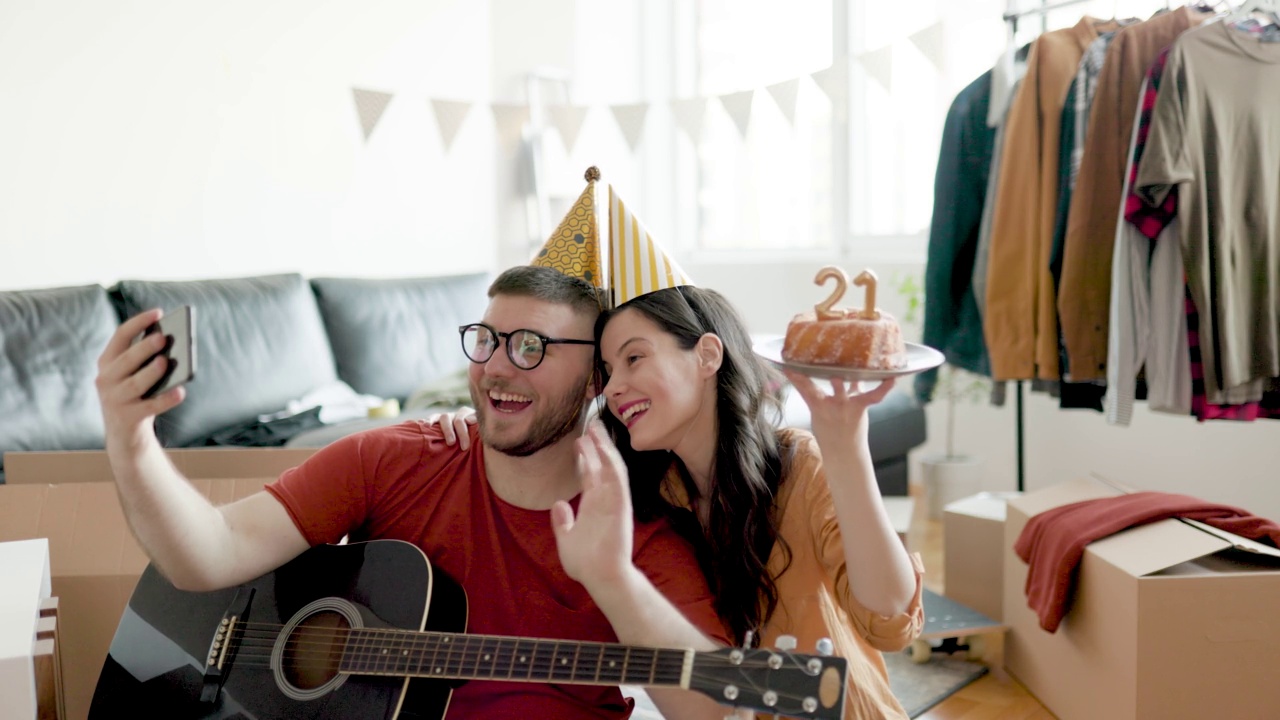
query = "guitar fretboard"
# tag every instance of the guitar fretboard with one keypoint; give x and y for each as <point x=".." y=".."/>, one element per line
<point x="480" y="657"/>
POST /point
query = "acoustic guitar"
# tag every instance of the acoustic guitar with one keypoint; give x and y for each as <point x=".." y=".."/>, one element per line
<point x="371" y="630"/>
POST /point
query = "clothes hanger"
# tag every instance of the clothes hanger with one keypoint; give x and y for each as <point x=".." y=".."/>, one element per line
<point x="1246" y="10"/>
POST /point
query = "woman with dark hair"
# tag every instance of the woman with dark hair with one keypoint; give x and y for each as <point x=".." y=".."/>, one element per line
<point x="791" y="531"/>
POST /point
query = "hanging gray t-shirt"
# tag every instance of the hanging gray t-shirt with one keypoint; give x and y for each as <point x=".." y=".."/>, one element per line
<point x="1216" y="133"/>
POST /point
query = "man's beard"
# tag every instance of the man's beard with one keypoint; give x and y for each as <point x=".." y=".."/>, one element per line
<point x="548" y="427"/>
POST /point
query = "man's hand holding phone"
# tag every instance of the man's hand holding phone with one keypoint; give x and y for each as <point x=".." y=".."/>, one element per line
<point x="142" y="370"/>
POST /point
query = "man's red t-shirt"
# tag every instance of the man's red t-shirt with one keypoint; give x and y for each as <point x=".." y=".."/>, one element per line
<point x="403" y="482"/>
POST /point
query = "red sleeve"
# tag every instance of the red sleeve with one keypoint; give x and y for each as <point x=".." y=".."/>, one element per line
<point x="670" y="564"/>
<point x="332" y="493"/>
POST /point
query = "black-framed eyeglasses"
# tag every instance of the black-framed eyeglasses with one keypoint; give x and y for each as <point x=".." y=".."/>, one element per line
<point x="525" y="348"/>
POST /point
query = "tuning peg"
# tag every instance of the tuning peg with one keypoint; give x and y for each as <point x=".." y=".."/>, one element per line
<point x="746" y="639"/>
<point x="825" y="647"/>
<point x="785" y="643"/>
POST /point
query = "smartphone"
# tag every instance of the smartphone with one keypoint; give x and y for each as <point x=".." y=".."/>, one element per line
<point x="179" y="329"/>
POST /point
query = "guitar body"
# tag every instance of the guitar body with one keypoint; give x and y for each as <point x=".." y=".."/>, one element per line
<point x="157" y="663"/>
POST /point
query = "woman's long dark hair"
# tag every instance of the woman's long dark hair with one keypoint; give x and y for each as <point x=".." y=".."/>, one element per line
<point x="742" y="525"/>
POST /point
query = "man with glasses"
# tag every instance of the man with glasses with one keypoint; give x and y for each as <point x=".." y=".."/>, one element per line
<point x="526" y="349"/>
<point x="537" y="553"/>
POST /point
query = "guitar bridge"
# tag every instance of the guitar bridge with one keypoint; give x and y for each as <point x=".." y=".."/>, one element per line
<point x="216" y="666"/>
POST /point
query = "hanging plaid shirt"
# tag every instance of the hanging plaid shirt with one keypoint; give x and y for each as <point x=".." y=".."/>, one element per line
<point x="1150" y="221"/>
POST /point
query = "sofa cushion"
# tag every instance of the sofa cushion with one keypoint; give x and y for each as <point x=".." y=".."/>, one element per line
<point x="50" y="341"/>
<point x="260" y="343"/>
<point x="392" y="336"/>
<point x="897" y="426"/>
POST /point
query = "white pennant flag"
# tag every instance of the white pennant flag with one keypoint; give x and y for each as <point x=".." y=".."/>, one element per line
<point x="509" y="121"/>
<point x="879" y="65"/>
<point x="370" y="104"/>
<point x="834" y="81"/>
<point x="739" y="106"/>
<point x="784" y="93"/>
<point x="688" y="114"/>
<point x="932" y="42"/>
<point x="449" y="117"/>
<point x="631" y="121"/>
<point x="568" y="120"/>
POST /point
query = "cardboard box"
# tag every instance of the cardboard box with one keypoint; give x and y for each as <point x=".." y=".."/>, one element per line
<point x="24" y="565"/>
<point x="1169" y="620"/>
<point x="973" y="555"/>
<point x="70" y="498"/>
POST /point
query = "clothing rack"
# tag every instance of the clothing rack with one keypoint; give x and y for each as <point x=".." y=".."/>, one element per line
<point x="1011" y="16"/>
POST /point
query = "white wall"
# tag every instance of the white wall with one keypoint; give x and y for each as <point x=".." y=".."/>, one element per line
<point x="179" y="140"/>
<point x="1226" y="462"/>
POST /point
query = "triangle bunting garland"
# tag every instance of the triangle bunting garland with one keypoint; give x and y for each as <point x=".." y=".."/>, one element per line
<point x="688" y="114"/>
<point x="630" y="120"/>
<point x="834" y="81"/>
<point x="932" y="43"/>
<point x="567" y="120"/>
<point x="738" y="106"/>
<point x="784" y="93"/>
<point x="450" y="115"/>
<point x="370" y="104"/>
<point x="879" y="65"/>
<point x="509" y="121"/>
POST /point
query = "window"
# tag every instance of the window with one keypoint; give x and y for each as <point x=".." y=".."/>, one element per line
<point x="769" y="187"/>
<point x="779" y="188"/>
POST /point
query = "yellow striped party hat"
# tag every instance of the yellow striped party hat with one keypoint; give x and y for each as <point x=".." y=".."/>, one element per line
<point x="575" y="248"/>
<point x="638" y="264"/>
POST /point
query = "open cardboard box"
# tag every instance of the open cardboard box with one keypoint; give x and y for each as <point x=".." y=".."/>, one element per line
<point x="1173" y="619"/>
<point x="70" y="498"/>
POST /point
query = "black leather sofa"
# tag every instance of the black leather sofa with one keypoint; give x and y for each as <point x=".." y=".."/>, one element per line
<point x="263" y="342"/>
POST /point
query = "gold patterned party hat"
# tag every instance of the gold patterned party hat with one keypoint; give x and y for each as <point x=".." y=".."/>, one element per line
<point x="575" y="248"/>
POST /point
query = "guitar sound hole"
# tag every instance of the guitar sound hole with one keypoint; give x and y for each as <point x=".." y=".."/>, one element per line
<point x="313" y="650"/>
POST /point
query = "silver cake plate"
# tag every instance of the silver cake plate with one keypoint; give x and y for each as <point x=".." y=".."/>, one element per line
<point x="919" y="359"/>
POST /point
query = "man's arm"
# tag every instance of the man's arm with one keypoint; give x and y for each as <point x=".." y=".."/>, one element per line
<point x="595" y="549"/>
<point x="195" y="545"/>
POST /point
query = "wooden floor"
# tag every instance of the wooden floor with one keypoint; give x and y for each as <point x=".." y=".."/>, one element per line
<point x="990" y="697"/>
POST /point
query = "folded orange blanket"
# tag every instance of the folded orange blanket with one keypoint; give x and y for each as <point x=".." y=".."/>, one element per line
<point x="1053" y="542"/>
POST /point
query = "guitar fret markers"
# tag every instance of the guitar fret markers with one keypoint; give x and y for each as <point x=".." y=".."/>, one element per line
<point x="395" y="652"/>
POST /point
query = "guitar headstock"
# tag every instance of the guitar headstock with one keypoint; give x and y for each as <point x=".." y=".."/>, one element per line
<point x="775" y="681"/>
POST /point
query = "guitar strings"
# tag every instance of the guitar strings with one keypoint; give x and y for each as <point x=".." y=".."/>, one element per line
<point x="713" y="679"/>
<point x="662" y="674"/>
<point x="471" y="653"/>
<point x="789" y="702"/>
<point x="330" y="643"/>
<point x="515" y="660"/>
<point x="463" y="648"/>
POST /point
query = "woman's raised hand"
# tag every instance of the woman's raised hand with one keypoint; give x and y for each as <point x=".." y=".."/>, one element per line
<point x="454" y="426"/>
<point x="595" y="542"/>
